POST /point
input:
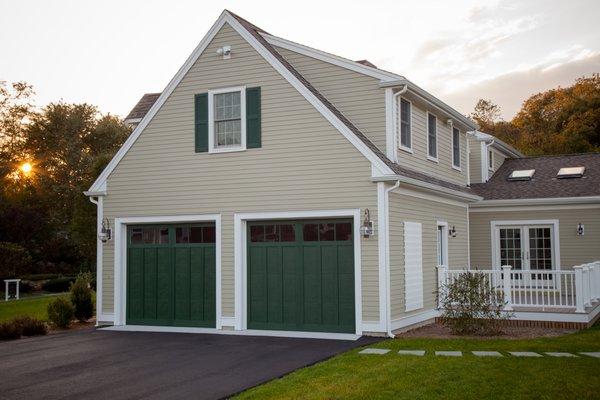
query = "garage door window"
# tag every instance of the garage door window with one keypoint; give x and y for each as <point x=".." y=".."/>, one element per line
<point x="272" y="233"/>
<point x="195" y="234"/>
<point x="150" y="235"/>
<point x="327" y="232"/>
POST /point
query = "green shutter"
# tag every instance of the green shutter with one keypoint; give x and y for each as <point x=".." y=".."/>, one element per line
<point x="253" y="118"/>
<point x="201" y="119"/>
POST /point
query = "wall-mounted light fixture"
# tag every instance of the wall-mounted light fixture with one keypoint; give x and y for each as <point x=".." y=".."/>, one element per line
<point x="580" y="229"/>
<point x="452" y="231"/>
<point x="106" y="232"/>
<point x="224" y="51"/>
<point x="366" y="229"/>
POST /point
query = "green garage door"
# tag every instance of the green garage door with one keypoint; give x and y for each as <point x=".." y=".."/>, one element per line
<point x="301" y="276"/>
<point x="171" y="275"/>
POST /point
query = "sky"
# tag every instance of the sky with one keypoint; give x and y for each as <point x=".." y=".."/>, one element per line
<point x="109" y="53"/>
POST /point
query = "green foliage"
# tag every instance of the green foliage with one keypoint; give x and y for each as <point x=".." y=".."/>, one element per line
<point x="58" y="285"/>
<point x="82" y="297"/>
<point x="9" y="330"/>
<point x="471" y="307"/>
<point x="31" y="326"/>
<point x="558" y="121"/>
<point x="14" y="260"/>
<point x="61" y="312"/>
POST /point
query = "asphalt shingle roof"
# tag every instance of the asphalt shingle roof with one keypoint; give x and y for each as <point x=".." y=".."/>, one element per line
<point x="544" y="183"/>
<point x="143" y="106"/>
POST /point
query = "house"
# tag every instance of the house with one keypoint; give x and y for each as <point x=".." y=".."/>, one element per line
<point x="272" y="188"/>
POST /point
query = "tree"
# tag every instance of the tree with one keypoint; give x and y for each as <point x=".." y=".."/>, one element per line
<point x="486" y="114"/>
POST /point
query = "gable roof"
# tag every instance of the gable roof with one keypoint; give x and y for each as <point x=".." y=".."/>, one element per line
<point x="497" y="143"/>
<point x="142" y="107"/>
<point x="544" y="183"/>
<point x="254" y="36"/>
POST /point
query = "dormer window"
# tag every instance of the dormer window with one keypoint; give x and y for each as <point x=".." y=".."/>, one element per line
<point x="405" y="125"/>
<point x="570" y="172"/>
<point x="521" y="175"/>
<point x="490" y="160"/>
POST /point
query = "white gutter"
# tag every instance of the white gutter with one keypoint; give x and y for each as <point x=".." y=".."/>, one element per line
<point x="428" y="186"/>
<point x="388" y="316"/>
<point x="537" y="201"/>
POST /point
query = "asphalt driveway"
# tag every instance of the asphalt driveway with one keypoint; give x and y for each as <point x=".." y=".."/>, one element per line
<point x="98" y="364"/>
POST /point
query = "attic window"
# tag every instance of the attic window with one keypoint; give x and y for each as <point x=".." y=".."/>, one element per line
<point x="521" y="175"/>
<point x="571" y="172"/>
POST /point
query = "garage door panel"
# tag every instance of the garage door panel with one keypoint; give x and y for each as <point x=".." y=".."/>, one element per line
<point x="182" y="284"/>
<point x="291" y="285"/>
<point x="197" y="285"/>
<point x="274" y="284"/>
<point x="149" y="286"/>
<point x="135" y="284"/>
<point x="209" y="283"/>
<point x="164" y="280"/>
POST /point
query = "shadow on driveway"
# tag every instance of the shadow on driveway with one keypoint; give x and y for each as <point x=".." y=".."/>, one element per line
<point x="96" y="364"/>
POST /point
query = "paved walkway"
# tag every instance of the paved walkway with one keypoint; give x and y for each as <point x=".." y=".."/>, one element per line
<point x="489" y="353"/>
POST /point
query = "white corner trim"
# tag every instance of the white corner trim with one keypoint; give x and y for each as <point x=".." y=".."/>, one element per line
<point x="445" y="240"/>
<point x="381" y="241"/>
<point x="406" y="322"/>
<point x="120" y="268"/>
<point x="211" y="120"/>
<point x="330" y="58"/>
<point x="100" y="182"/>
<point x="105" y="317"/>
<point x="240" y="256"/>
<point x="227" y="321"/>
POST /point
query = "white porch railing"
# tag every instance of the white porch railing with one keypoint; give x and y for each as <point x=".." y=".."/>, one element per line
<point x="577" y="288"/>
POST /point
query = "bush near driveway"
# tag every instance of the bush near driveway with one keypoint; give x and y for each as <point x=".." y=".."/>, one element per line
<point x="82" y="297"/>
<point x="61" y="312"/>
<point x="22" y="326"/>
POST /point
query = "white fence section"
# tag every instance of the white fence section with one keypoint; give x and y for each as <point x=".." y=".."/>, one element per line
<point x="537" y="289"/>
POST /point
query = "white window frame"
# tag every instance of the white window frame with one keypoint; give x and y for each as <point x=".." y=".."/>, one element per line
<point x="459" y="166"/>
<point x="400" y="145"/>
<point x="444" y="226"/>
<point x="211" y="120"/>
<point x="437" y="142"/>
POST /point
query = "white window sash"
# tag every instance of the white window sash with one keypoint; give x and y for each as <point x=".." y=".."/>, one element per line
<point x="212" y="147"/>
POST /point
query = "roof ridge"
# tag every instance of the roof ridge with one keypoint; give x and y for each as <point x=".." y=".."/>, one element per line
<point x="590" y="153"/>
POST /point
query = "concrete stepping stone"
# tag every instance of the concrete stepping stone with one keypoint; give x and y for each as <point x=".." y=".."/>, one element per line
<point x="524" y="354"/>
<point x="449" y="353"/>
<point x="374" y="351"/>
<point x="419" y="353"/>
<point x="558" y="354"/>
<point x="487" y="354"/>
<point x="593" y="354"/>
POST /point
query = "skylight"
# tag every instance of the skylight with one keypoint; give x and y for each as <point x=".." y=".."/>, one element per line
<point x="571" y="172"/>
<point x="521" y="175"/>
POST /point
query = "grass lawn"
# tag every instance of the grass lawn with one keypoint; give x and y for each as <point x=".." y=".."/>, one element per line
<point x="32" y="306"/>
<point x="391" y="376"/>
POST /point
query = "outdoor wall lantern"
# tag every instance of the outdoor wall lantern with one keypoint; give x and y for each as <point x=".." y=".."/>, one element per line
<point x="580" y="229"/>
<point x="452" y="231"/>
<point x="105" y="233"/>
<point x="366" y="229"/>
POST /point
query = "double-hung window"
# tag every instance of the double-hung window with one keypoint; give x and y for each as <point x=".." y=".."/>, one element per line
<point x="227" y="119"/>
<point x="455" y="148"/>
<point x="432" y="153"/>
<point x="405" y="125"/>
<point x="490" y="160"/>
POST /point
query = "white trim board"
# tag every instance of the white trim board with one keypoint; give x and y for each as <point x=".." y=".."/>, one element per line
<point x="249" y="332"/>
<point x="414" y="319"/>
<point x="120" y="259"/>
<point x="100" y="183"/>
<point x="240" y="256"/>
<point x="485" y="205"/>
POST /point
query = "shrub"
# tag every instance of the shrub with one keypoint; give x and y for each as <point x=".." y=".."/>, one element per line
<point x="9" y="330"/>
<point x="471" y="306"/>
<point x="60" y="312"/>
<point x="82" y="297"/>
<point x="58" y="285"/>
<point x="31" y="326"/>
<point x="14" y="260"/>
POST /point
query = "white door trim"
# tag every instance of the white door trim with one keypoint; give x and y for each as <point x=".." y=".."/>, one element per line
<point x="240" y="256"/>
<point x="120" y="273"/>
<point x="445" y="241"/>
<point x="494" y="225"/>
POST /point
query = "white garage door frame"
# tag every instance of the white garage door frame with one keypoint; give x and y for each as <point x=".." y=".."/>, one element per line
<point x="240" y="257"/>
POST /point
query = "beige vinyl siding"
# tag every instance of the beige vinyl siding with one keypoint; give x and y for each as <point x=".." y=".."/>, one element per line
<point x="574" y="249"/>
<point x="357" y="96"/>
<point x="304" y="164"/>
<point x="417" y="160"/>
<point x="414" y="209"/>
<point x="475" y="159"/>
<point x="497" y="161"/>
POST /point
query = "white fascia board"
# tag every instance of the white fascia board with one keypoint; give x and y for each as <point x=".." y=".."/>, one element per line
<point x="283" y="71"/>
<point x="538" y="201"/>
<point x="331" y="58"/>
<point x="496" y="143"/>
<point x="439" y="190"/>
<point x="434" y="101"/>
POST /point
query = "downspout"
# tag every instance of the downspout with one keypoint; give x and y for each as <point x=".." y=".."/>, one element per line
<point x="388" y="322"/>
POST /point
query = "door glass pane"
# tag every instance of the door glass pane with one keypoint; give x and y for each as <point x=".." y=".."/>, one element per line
<point x="136" y="236"/>
<point x="287" y="233"/>
<point x="343" y="231"/>
<point x="182" y="235"/>
<point x="510" y="247"/>
<point x="208" y="234"/>
<point x="271" y="233"/>
<point x="326" y="232"/>
<point x="257" y="233"/>
<point x="164" y="235"/>
<point x="150" y="235"/>
<point x="310" y="232"/>
<point x="195" y="234"/>
<point x="540" y="249"/>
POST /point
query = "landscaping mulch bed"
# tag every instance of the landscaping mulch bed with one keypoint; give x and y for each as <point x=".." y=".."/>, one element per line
<point x="75" y="325"/>
<point x="439" y="331"/>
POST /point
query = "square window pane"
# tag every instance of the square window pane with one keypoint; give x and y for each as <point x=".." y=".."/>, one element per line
<point x="209" y="234"/>
<point x="195" y="234"/>
<point x="287" y="233"/>
<point x="164" y="235"/>
<point x="326" y="232"/>
<point x="343" y="231"/>
<point x="271" y="233"/>
<point x="257" y="233"/>
<point x="136" y="236"/>
<point x="182" y="235"/>
<point x="310" y="232"/>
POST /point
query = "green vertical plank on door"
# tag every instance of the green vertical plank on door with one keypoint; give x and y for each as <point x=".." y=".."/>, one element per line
<point x="135" y="284"/>
<point x="182" y="284"/>
<point x="329" y="284"/>
<point x="210" y="286"/>
<point x="274" y="285"/>
<point x="292" y="283"/>
<point x="164" y="288"/>
<point x="149" y="286"/>
<point x="312" y="284"/>
<point x="345" y="259"/>
<point x="197" y="284"/>
<point x="257" y="279"/>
